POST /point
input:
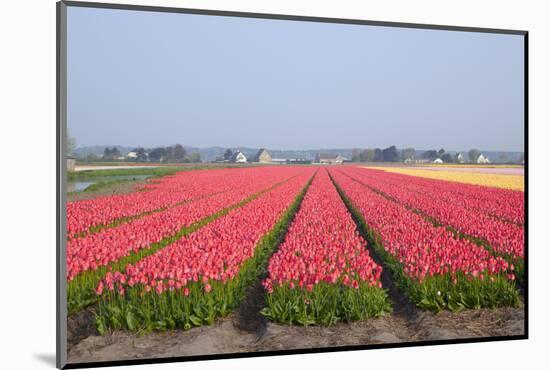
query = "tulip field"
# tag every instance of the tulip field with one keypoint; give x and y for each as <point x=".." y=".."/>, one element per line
<point x="92" y="255"/>
<point x="203" y="276"/>
<point x="183" y="250"/>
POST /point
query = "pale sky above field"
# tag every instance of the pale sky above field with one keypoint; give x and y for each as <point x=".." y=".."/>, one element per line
<point x="149" y="79"/>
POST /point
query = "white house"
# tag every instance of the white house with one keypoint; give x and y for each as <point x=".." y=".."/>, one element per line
<point x="70" y="163"/>
<point x="459" y="158"/>
<point x="238" y="157"/>
<point x="482" y="159"/>
<point x="438" y="161"/>
<point x="131" y="155"/>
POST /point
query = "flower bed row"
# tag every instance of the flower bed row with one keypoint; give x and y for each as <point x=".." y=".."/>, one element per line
<point x="89" y="258"/>
<point x="434" y="267"/>
<point x="323" y="273"/>
<point x="503" y="204"/>
<point x="503" y="238"/>
<point x="203" y="276"/>
<point x="168" y="191"/>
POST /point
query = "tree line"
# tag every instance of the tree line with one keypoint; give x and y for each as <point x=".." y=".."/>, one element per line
<point x="169" y="154"/>
<point x="392" y="154"/>
<point x="389" y="154"/>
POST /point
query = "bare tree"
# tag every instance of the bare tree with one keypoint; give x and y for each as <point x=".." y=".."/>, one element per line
<point x="408" y="153"/>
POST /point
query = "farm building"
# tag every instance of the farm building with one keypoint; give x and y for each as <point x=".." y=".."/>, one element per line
<point x="262" y="156"/>
<point x="416" y="160"/>
<point x="482" y="159"/>
<point x="238" y="157"/>
<point x="459" y="158"/>
<point x="70" y="163"/>
<point x="298" y="161"/>
<point x="437" y="161"/>
<point x="329" y="158"/>
<point x="291" y="161"/>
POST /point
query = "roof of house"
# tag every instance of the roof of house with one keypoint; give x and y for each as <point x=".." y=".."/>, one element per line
<point x="236" y="154"/>
<point x="328" y="156"/>
<point x="257" y="156"/>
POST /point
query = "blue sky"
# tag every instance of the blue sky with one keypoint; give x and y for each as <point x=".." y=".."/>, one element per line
<point x="150" y="79"/>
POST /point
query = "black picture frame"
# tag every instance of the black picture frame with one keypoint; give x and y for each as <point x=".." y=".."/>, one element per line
<point x="61" y="171"/>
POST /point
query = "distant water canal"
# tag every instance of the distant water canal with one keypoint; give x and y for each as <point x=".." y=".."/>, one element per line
<point x="82" y="184"/>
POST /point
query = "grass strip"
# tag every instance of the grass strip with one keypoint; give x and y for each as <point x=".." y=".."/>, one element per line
<point x="100" y="185"/>
<point x="139" y="310"/>
<point x="153" y="171"/>
<point x="438" y="292"/>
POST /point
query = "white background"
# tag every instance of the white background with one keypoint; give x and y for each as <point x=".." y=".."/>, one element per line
<point x="27" y="207"/>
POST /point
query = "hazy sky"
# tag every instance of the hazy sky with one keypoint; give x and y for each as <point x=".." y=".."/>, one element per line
<point x="148" y="79"/>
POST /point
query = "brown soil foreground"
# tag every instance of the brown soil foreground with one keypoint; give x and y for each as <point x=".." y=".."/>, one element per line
<point x="231" y="335"/>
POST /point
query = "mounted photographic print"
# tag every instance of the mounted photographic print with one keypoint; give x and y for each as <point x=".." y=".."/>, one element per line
<point x="235" y="184"/>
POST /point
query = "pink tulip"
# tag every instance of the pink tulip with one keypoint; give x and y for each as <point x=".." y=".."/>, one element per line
<point x="321" y="244"/>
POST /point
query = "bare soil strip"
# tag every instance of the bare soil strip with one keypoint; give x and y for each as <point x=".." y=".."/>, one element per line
<point x="226" y="337"/>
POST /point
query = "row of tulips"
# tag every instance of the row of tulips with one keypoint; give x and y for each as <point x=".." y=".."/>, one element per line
<point x="203" y="276"/>
<point x="434" y="267"/>
<point x="506" y="205"/>
<point x="86" y="215"/>
<point x="323" y="273"/>
<point x="90" y="257"/>
<point x="504" y="238"/>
